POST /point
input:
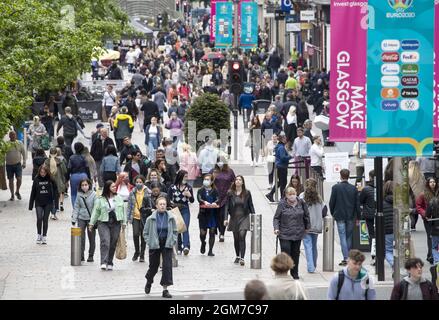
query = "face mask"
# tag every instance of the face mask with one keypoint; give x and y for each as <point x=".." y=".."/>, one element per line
<point x="85" y="188"/>
<point x="206" y="183"/>
<point x="220" y="164"/>
<point x="154" y="179"/>
<point x="139" y="186"/>
<point x="292" y="198"/>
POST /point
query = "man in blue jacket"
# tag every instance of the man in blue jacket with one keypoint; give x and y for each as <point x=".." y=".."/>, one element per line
<point x="245" y="102"/>
<point x="282" y="158"/>
<point x="344" y="206"/>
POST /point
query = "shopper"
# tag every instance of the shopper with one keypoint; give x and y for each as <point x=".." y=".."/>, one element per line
<point x="208" y="216"/>
<point x="160" y="234"/>
<point x="77" y="170"/>
<point x="14" y="163"/>
<point x="43" y="196"/>
<point x="269" y="152"/>
<point x="153" y="135"/>
<point x="110" y="165"/>
<point x="81" y="216"/>
<point x="58" y="172"/>
<point x="189" y="163"/>
<point x="239" y="206"/>
<point x="108" y="212"/>
<point x="291" y="222"/>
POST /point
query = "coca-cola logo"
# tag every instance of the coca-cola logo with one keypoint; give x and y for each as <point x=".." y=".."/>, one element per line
<point x="390" y="57"/>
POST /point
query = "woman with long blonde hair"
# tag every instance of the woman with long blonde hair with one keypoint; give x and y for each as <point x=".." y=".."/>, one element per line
<point x="58" y="170"/>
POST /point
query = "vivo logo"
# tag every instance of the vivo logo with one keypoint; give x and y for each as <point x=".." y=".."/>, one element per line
<point x="390" y="69"/>
<point x="389" y="105"/>
<point x="410" y="81"/>
<point x="390" y="81"/>
<point x="409" y="105"/>
<point x="390" y="57"/>
<point x="390" y="45"/>
<point x="410" y="44"/>
<point x="410" y="57"/>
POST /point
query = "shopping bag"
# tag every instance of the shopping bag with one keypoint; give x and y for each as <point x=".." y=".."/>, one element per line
<point x="181" y="226"/>
<point x="121" y="247"/>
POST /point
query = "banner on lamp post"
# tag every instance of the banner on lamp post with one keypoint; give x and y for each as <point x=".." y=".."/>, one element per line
<point x="224" y="25"/>
<point x="400" y="79"/>
<point x="249" y="24"/>
<point x="436" y="72"/>
<point x="348" y="71"/>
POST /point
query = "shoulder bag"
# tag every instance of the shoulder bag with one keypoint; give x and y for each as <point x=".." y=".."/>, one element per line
<point x="95" y="226"/>
<point x="144" y="212"/>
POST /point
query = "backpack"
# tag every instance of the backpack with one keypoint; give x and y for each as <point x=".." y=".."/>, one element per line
<point x="340" y="282"/>
<point x="404" y="287"/>
<point x="45" y="142"/>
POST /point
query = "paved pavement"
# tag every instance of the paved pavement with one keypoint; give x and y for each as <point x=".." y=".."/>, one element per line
<point x="31" y="271"/>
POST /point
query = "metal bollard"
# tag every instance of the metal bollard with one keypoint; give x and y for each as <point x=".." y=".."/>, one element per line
<point x="256" y="241"/>
<point x="174" y="257"/>
<point x="328" y="243"/>
<point x="75" y="254"/>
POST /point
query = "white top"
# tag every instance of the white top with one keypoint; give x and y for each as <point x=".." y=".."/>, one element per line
<point x="302" y="146"/>
<point x="108" y="99"/>
<point x="316" y="154"/>
<point x="123" y="192"/>
<point x="152" y="130"/>
<point x="131" y="57"/>
<point x="291" y="119"/>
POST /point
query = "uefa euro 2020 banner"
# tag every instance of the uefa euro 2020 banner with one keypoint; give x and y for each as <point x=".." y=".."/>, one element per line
<point x="348" y="70"/>
<point x="249" y="24"/>
<point x="400" y="78"/>
<point x="224" y="25"/>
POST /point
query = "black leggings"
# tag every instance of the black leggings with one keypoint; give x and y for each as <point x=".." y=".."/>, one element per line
<point x="212" y="234"/>
<point x="43" y="218"/>
<point x="239" y="242"/>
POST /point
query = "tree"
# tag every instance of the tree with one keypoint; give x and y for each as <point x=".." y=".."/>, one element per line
<point x="208" y="112"/>
<point x="47" y="45"/>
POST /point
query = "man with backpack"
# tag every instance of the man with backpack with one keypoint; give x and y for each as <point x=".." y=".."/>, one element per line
<point x="70" y="127"/>
<point x="414" y="286"/>
<point x="352" y="282"/>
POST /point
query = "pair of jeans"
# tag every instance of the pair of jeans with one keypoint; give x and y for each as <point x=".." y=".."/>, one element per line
<point x="427" y="226"/>
<point x="185" y="242"/>
<point x="435" y="251"/>
<point x="109" y="234"/>
<point x="74" y="183"/>
<point x="43" y="218"/>
<point x="292" y="248"/>
<point x="152" y="148"/>
<point x="389" y="248"/>
<point x="270" y="167"/>
<point x="282" y="176"/>
<point x="154" y="262"/>
<point x="138" y="233"/>
<point x="310" y="245"/>
<point x="345" y="230"/>
<point x="91" y="238"/>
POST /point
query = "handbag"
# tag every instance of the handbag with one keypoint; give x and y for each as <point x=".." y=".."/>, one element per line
<point x="181" y="226"/>
<point x="121" y="247"/>
<point x="144" y="212"/>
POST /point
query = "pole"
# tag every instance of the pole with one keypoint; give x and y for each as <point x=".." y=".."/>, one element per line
<point x="328" y="243"/>
<point x="235" y="25"/>
<point x="235" y="126"/>
<point x="379" y="221"/>
<point x="235" y="96"/>
<point x="75" y="250"/>
<point x="256" y="241"/>
<point x="401" y="217"/>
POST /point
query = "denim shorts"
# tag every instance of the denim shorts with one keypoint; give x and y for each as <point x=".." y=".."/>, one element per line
<point x="12" y="169"/>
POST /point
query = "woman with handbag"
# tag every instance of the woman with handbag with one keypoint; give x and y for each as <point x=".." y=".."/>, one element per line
<point x="36" y="131"/>
<point x="82" y="214"/>
<point x="291" y="222"/>
<point x="58" y="171"/>
<point x="181" y="194"/>
<point x="160" y="234"/>
<point x="139" y="209"/>
<point x="239" y="206"/>
<point x="43" y="195"/>
<point x="255" y="139"/>
<point x="189" y="163"/>
<point x="109" y="212"/>
<point x="208" y="217"/>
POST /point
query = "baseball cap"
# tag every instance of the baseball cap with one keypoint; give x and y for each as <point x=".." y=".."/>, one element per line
<point x="99" y="125"/>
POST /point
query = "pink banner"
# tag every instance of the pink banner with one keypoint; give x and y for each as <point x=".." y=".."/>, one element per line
<point x="348" y="71"/>
<point x="436" y="73"/>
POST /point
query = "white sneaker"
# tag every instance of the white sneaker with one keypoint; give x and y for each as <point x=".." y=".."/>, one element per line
<point x="39" y="238"/>
<point x="44" y="240"/>
<point x="109" y="267"/>
<point x="103" y="267"/>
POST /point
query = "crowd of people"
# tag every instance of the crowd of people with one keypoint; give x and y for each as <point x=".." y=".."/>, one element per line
<point x="114" y="182"/>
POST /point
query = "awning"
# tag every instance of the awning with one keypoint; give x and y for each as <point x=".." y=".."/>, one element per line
<point x="321" y="2"/>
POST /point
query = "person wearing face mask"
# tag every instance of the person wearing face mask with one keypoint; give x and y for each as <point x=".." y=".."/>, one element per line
<point x="208" y="217"/>
<point x="239" y="206"/>
<point x="109" y="212"/>
<point x="156" y="192"/>
<point x="291" y="223"/>
<point x="155" y="177"/>
<point x="139" y="208"/>
<point x="181" y="194"/>
<point x="82" y="214"/>
<point x="160" y="234"/>
<point x="160" y="165"/>
<point x="123" y="186"/>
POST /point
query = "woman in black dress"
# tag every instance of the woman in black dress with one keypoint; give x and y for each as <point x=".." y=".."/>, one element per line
<point x="239" y="206"/>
